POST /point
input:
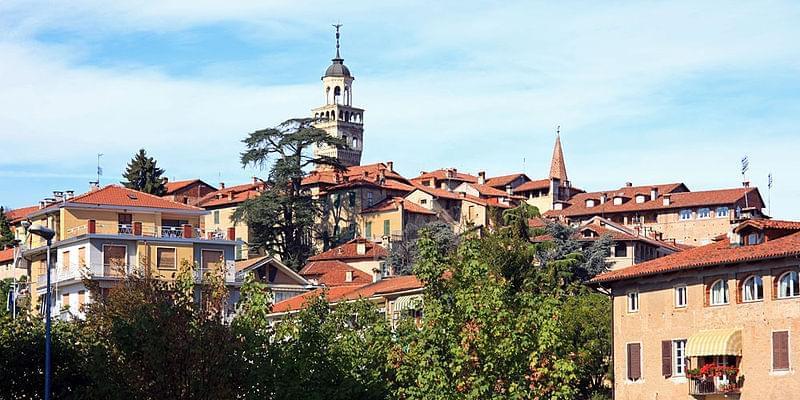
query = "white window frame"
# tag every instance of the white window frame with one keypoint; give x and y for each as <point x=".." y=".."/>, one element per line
<point x="678" y="304"/>
<point x="793" y="293"/>
<point x="633" y="297"/>
<point x="679" y="363"/>
<point x="685" y="214"/>
<point x="703" y="213"/>
<point x="726" y="293"/>
<point x="723" y="214"/>
<point x="745" y="283"/>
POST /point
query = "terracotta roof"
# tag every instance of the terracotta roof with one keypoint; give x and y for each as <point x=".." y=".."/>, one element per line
<point x="393" y="203"/>
<point x="369" y="172"/>
<point x="18" y="214"/>
<point x="503" y="180"/>
<point x="6" y="255"/>
<point x="344" y="293"/>
<point x="558" y="168"/>
<point x="231" y="195"/>
<point x="244" y="264"/>
<point x="770" y="224"/>
<point x="537" y="222"/>
<point x="718" y="253"/>
<point x="446" y="194"/>
<point x="680" y="197"/>
<point x="349" y="251"/>
<point x="120" y="196"/>
<point x="533" y="185"/>
<point x="442" y="174"/>
<point x="488" y="190"/>
<point x="334" y="273"/>
<point x="178" y="185"/>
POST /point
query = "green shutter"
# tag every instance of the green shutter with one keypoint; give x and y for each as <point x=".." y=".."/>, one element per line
<point x="368" y="230"/>
<point x="386" y="227"/>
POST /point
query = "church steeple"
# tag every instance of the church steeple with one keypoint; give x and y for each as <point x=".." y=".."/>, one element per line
<point x="338" y="117"/>
<point x="558" y="169"/>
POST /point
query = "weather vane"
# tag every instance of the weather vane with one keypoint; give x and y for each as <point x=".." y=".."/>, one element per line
<point x="337" y="26"/>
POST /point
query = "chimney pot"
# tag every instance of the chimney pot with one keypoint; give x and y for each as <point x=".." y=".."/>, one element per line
<point x="255" y="180"/>
<point x="222" y="185"/>
<point x="482" y="177"/>
<point x="653" y="193"/>
<point x="509" y="190"/>
<point x="390" y="165"/>
<point x="746" y="184"/>
<point x="628" y="184"/>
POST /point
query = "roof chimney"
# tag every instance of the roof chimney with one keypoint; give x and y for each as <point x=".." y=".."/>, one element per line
<point x="628" y="184"/>
<point x="376" y="275"/>
<point x="482" y="178"/>
<point x="230" y="195"/>
<point x="390" y="165"/>
<point x="70" y="194"/>
<point x="443" y="186"/>
<point x="94" y="186"/>
<point x="653" y="193"/>
<point x="667" y="199"/>
<point x="509" y="190"/>
<point x="222" y="185"/>
<point x="603" y="198"/>
<point x="58" y="195"/>
<point x="746" y="184"/>
<point x="255" y="180"/>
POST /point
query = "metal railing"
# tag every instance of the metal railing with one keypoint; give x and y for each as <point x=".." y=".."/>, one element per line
<point x="711" y="385"/>
<point x="125" y="229"/>
<point x="171" y="232"/>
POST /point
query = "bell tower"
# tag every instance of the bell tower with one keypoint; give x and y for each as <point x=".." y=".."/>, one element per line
<point x="338" y="117"/>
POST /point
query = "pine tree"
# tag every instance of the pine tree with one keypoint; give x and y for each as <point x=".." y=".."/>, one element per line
<point x="6" y="234"/>
<point x="143" y="174"/>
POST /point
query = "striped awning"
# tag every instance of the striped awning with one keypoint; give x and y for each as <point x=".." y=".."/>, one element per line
<point x="403" y="303"/>
<point x="717" y="342"/>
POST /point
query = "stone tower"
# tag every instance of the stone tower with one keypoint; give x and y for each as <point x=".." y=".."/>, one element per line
<point x="338" y="117"/>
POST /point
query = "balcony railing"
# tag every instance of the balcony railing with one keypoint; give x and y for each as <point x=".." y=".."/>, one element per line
<point x="125" y="229"/>
<point x="171" y="232"/>
<point x="710" y="386"/>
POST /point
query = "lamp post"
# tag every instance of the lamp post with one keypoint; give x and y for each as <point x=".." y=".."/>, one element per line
<point x="46" y="234"/>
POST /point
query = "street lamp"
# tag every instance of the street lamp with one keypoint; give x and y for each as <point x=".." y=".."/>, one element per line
<point x="46" y="234"/>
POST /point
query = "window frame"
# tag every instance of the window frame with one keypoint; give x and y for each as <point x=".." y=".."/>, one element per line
<point x="202" y="259"/>
<point x="627" y="362"/>
<point x="216" y="217"/>
<point x="114" y="245"/>
<point x="726" y="293"/>
<point x="749" y="278"/>
<point x="795" y="293"/>
<point x="788" y="351"/>
<point x="724" y="214"/>
<point x="685" y="296"/>
<point x="685" y="214"/>
<point x="158" y="259"/>
<point x="703" y="213"/>
<point x="675" y="358"/>
<point x="630" y="303"/>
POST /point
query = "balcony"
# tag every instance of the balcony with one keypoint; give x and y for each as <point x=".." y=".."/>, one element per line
<point x="712" y="386"/>
<point x="137" y="229"/>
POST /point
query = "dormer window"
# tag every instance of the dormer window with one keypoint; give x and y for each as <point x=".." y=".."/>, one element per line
<point x="618" y="200"/>
<point x="589" y="203"/>
<point x="640" y="198"/>
<point x="753" y="239"/>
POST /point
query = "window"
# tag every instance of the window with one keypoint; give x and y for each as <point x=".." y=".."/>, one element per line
<point x="719" y="293"/>
<point x="386" y="227"/>
<point x="721" y="212"/>
<point x="114" y="256"/>
<point x="239" y="249"/>
<point x="633" y="301"/>
<point x="210" y="259"/>
<point x="65" y="301"/>
<point x="81" y="256"/>
<point x="703" y="212"/>
<point x="679" y="357"/>
<point x="780" y="350"/>
<point x="351" y="199"/>
<point x="686" y="214"/>
<point x="65" y="262"/>
<point x="423" y="201"/>
<point x="369" y="199"/>
<point x="634" y="361"/>
<point x="621" y="250"/>
<point x="216" y="217"/>
<point x="165" y="258"/>
<point x="753" y="239"/>
<point x="368" y="229"/>
<point x="753" y="289"/>
<point x="788" y="285"/>
<point x="680" y="296"/>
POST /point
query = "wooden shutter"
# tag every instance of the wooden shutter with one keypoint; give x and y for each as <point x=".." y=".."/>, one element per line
<point x="81" y="256"/>
<point x="666" y="358"/>
<point x="81" y="299"/>
<point x="211" y="259"/>
<point x="634" y="361"/>
<point x="166" y="258"/>
<point x="780" y="350"/>
<point x="65" y="261"/>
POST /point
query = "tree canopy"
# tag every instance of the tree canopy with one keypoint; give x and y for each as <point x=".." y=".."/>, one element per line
<point x="143" y="174"/>
<point x="6" y="234"/>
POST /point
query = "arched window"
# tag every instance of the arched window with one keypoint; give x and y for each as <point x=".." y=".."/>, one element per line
<point x="719" y="292"/>
<point x="753" y="289"/>
<point x="337" y="91"/>
<point x="347" y="116"/>
<point x="788" y="285"/>
<point x="328" y="95"/>
<point x="341" y="114"/>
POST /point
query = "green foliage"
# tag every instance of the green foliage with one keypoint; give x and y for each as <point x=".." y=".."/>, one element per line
<point x="516" y="219"/>
<point x="143" y="174"/>
<point x="6" y="234"/>
<point x="405" y="253"/>
<point x="587" y="326"/>
<point x="281" y="219"/>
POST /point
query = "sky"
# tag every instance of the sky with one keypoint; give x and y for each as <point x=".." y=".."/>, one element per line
<point x="644" y="92"/>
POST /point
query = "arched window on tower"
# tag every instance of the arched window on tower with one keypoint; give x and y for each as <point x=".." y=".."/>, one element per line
<point x="347" y="98"/>
<point x="328" y="95"/>
<point x="347" y="116"/>
<point x="337" y="92"/>
<point x="341" y="115"/>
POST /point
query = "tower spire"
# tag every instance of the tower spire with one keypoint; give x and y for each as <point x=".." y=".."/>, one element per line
<point x="337" y="26"/>
<point x="558" y="169"/>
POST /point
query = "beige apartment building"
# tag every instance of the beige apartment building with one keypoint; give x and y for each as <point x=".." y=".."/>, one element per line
<point x="221" y="205"/>
<point x="717" y="321"/>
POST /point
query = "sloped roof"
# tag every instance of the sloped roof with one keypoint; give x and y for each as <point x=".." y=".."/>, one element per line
<point x="393" y="204"/>
<point x="349" y="251"/>
<point x="533" y="185"/>
<point x="173" y="187"/>
<point x="503" y="180"/>
<point x="299" y="302"/>
<point x="369" y="172"/>
<point x="558" y="168"/>
<point x="6" y="255"/>
<point x="337" y="294"/>
<point x="18" y="214"/>
<point x="769" y="224"/>
<point x="442" y="174"/>
<point x="240" y="193"/>
<point x="120" y="196"/>
<point x="334" y="273"/>
<point x="717" y="253"/>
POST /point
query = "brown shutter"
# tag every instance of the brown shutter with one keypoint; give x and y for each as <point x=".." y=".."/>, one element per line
<point x="780" y="350"/>
<point x="707" y="299"/>
<point x="166" y="258"/>
<point x="634" y="361"/>
<point x="666" y="358"/>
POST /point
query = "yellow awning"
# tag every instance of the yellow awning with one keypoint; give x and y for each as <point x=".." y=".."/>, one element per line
<point x="717" y="342"/>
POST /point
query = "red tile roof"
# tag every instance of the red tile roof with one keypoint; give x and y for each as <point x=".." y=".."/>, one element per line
<point x="393" y="204"/>
<point x="488" y="190"/>
<point x="120" y="196"/>
<point x="337" y="294"/>
<point x="334" y="273"/>
<point x="369" y="172"/>
<point x="446" y="194"/>
<point x="680" y="197"/>
<point x="349" y="251"/>
<point x="503" y="180"/>
<point x="769" y="224"/>
<point x="299" y="302"/>
<point x="231" y="196"/>
<point x="533" y="185"/>
<point x="718" y="253"/>
<point x="18" y="214"/>
<point x="446" y="174"/>
<point x="6" y="255"/>
<point x="178" y="185"/>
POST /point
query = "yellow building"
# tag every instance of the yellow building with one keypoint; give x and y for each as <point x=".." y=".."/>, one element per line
<point x="221" y="205"/>
<point x="112" y="231"/>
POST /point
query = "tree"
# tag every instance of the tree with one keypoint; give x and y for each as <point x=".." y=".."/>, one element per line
<point x="282" y="218"/>
<point x="516" y="219"/>
<point x="6" y="234"/>
<point x="404" y="254"/>
<point x="587" y="326"/>
<point x="143" y="174"/>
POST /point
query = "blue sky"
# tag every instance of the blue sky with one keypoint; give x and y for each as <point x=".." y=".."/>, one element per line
<point x="645" y="92"/>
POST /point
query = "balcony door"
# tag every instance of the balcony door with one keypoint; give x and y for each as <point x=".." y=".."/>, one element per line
<point x="211" y="260"/>
<point x="125" y="223"/>
<point x="114" y="260"/>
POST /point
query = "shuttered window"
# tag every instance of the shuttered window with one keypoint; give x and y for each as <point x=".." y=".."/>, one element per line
<point x="634" y="361"/>
<point x="666" y="358"/>
<point x="81" y="299"/>
<point x="166" y="258"/>
<point x="780" y="350"/>
<point x="81" y="256"/>
<point x="114" y="256"/>
<point x="211" y="259"/>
